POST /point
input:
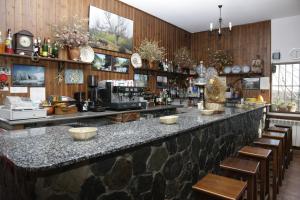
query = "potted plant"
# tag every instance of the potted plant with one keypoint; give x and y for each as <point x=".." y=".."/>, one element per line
<point x="71" y="35"/>
<point x="219" y="59"/>
<point x="182" y="58"/>
<point x="150" y="51"/>
<point x="292" y="107"/>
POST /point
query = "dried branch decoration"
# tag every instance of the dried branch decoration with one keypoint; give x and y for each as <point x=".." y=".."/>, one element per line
<point x="182" y="58"/>
<point x="219" y="59"/>
<point x="149" y="50"/>
<point x="215" y="90"/>
<point x="71" y="34"/>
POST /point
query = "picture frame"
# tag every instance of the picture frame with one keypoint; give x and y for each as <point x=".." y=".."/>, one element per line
<point x="74" y="76"/>
<point x="110" y="31"/>
<point x="141" y="80"/>
<point x="28" y="75"/>
<point x="251" y="83"/>
<point x="120" y="64"/>
<point x="161" y="82"/>
<point x="102" y="62"/>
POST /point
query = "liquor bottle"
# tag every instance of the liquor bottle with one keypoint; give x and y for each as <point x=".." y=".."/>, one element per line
<point x="2" y="44"/>
<point x="35" y="48"/>
<point x="49" y="48"/>
<point x="8" y="43"/>
<point x="45" y="48"/>
<point x="55" y="50"/>
<point x="39" y="44"/>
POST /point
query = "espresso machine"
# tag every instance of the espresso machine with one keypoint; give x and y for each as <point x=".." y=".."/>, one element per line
<point x="95" y="101"/>
<point x="81" y="102"/>
<point x="118" y="97"/>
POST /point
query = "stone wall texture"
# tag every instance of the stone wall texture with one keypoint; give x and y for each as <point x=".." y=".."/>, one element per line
<point x="164" y="170"/>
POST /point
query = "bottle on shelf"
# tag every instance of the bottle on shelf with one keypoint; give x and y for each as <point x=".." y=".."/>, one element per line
<point x="2" y="44"/>
<point x="39" y="44"/>
<point x="55" y="50"/>
<point x="49" y="48"/>
<point x="35" y="48"/>
<point x="45" y="48"/>
<point x="8" y="43"/>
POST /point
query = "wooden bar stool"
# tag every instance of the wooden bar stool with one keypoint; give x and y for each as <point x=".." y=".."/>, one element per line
<point x="282" y="138"/>
<point x="263" y="156"/>
<point x="246" y="169"/>
<point x="289" y="131"/>
<point x="219" y="187"/>
<point x="274" y="145"/>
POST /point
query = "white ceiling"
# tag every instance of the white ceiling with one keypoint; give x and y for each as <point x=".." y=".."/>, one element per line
<point x="195" y="15"/>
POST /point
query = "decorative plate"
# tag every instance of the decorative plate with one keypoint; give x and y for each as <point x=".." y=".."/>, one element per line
<point x="227" y="70"/>
<point x="246" y="69"/>
<point x="136" y="60"/>
<point x="87" y="54"/>
<point x="236" y="69"/>
<point x="211" y="71"/>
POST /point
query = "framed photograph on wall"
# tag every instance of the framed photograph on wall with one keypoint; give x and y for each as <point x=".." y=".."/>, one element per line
<point x="161" y="81"/>
<point x="102" y="62"/>
<point x="28" y="75"/>
<point x="110" y="31"/>
<point x="74" y="76"/>
<point x="141" y="80"/>
<point x="251" y="83"/>
<point x="120" y="64"/>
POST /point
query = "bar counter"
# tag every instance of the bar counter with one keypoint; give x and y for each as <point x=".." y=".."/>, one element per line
<point x="135" y="160"/>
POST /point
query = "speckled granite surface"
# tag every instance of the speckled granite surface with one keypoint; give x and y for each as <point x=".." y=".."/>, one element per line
<point x="52" y="147"/>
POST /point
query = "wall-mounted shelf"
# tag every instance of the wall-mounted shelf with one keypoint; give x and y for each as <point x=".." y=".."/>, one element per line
<point x="251" y="74"/>
<point x="43" y="59"/>
<point x="159" y="72"/>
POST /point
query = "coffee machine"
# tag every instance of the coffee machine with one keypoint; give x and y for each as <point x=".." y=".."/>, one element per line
<point x="95" y="102"/>
<point x="118" y="97"/>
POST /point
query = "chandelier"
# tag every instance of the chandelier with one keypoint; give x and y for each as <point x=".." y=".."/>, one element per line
<point x="220" y="24"/>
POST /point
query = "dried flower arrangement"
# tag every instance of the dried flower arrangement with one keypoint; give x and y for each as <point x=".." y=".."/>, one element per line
<point x="150" y="51"/>
<point x="71" y="34"/>
<point x="182" y="58"/>
<point x="215" y="90"/>
<point x="219" y="59"/>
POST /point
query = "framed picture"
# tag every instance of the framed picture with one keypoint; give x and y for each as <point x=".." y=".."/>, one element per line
<point x="120" y="64"/>
<point x="161" y="81"/>
<point x="110" y="31"/>
<point x="141" y="80"/>
<point x="251" y="83"/>
<point x="28" y="75"/>
<point x="102" y="62"/>
<point x="73" y="76"/>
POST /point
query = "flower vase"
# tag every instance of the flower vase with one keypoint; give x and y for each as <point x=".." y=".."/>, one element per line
<point x="74" y="53"/>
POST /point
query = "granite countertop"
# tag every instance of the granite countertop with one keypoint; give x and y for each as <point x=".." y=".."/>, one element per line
<point x="41" y="149"/>
<point x="83" y="115"/>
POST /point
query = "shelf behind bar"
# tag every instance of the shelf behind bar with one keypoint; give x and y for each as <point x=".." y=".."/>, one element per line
<point x="43" y="59"/>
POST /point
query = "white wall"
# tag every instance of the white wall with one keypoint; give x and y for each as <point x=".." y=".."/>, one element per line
<point x="285" y="36"/>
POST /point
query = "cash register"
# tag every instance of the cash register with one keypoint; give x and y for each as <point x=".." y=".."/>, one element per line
<point x="18" y="108"/>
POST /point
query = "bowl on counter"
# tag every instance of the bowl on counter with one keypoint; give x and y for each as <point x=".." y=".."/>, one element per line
<point x="207" y="112"/>
<point x="83" y="133"/>
<point x="171" y="119"/>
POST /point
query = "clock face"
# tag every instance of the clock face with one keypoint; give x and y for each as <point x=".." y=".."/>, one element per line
<point x="25" y="41"/>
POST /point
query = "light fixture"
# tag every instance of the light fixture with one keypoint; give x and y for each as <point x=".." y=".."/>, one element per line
<point x="220" y="23"/>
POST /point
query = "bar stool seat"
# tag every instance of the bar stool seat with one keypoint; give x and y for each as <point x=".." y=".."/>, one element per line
<point x="218" y="187"/>
<point x="262" y="156"/>
<point x="274" y="145"/>
<point x="282" y="138"/>
<point x="246" y="169"/>
<point x="289" y="137"/>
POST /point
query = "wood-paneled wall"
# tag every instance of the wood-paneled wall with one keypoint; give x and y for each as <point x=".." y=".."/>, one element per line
<point x="244" y="42"/>
<point x="38" y="15"/>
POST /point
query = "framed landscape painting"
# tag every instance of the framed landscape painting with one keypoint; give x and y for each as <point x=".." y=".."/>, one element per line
<point x="110" y="31"/>
<point x="120" y="64"/>
<point x="102" y="62"/>
<point x="28" y="75"/>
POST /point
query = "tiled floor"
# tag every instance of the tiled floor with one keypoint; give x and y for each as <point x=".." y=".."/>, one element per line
<point x="290" y="189"/>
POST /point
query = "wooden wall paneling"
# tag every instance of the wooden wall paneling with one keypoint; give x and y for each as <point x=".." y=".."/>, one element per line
<point x="244" y="43"/>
